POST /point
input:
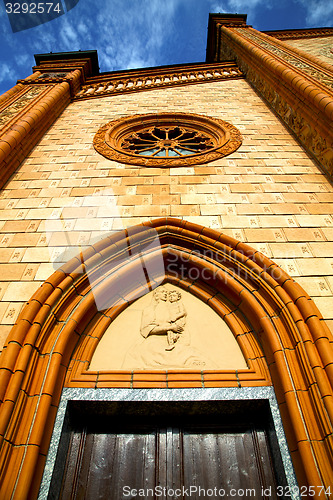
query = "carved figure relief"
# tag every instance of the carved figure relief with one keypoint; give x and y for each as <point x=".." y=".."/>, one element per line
<point x="166" y="316"/>
<point x="168" y="328"/>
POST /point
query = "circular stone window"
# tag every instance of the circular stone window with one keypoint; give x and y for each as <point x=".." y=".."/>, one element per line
<point x="167" y="139"/>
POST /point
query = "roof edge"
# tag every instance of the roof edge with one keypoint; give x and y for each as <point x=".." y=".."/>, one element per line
<point x="214" y="21"/>
<point x="68" y="56"/>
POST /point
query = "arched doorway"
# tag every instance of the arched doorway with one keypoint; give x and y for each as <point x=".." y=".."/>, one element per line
<point x="276" y="325"/>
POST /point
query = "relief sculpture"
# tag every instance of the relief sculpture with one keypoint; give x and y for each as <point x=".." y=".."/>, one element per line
<point x="167" y="338"/>
<point x="166" y="316"/>
<point x="167" y="329"/>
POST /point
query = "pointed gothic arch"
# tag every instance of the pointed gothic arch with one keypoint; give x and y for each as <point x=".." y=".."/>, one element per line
<point x="279" y="329"/>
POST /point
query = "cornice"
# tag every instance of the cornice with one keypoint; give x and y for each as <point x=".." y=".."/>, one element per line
<point x="299" y="34"/>
<point x="154" y="78"/>
<point x="215" y="22"/>
<point x="87" y="57"/>
<point x="74" y="75"/>
<point x="63" y="67"/>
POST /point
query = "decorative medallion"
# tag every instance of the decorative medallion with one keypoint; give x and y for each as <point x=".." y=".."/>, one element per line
<point x="167" y="139"/>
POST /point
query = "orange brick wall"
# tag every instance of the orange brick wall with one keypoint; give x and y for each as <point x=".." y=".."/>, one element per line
<point x="269" y="193"/>
<point x="319" y="47"/>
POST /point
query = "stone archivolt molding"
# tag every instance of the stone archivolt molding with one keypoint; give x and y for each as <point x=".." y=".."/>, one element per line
<point x="223" y="139"/>
<point x="277" y="326"/>
<point x="152" y="79"/>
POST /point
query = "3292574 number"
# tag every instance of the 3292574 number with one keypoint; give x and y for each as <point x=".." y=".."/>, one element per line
<point x="302" y="491"/>
<point x="33" y="8"/>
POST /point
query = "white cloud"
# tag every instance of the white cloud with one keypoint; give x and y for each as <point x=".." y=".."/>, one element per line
<point x="246" y="5"/>
<point x="136" y="40"/>
<point x="217" y="8"/>
<point x="22" y="59"/>
<point x="5" y="72"/>
<point x="318" y="12"/>
<point x="70" y="39"/>
<point x="249" y="7"/>
<point x="83" y="29"/>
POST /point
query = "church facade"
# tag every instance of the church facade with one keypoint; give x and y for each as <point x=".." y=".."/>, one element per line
<point x="167" y="272"/>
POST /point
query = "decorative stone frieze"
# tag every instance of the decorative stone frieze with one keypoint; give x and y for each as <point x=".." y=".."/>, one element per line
<point x="299" y="34"/>
<point x="292" y="93"/>
<point x="318" y="73"/>
<point x="11" y="110"/>
<point x="152" y="79"/>
<point x="306" y="131"/>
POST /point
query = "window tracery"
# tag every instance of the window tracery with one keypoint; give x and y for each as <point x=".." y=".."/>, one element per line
<point x="167" y="139"/>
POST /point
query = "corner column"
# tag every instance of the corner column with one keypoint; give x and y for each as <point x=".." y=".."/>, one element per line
<point x="298" y="87"/>
<point x="31" y="107"/>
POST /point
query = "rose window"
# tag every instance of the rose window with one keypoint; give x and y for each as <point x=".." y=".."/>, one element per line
<point x="167" y="139"/>
<point x="167" y="142"/>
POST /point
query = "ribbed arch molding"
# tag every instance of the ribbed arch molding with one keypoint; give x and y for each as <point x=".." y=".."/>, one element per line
<point x="278" y="328"/>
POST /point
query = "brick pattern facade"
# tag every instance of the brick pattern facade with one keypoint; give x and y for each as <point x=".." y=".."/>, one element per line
<point x="269" y="196"/>
<point x="269" y="193"/>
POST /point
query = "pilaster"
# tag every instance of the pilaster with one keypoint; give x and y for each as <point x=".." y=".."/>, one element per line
<point x="298" y="87"/>
<point x="33" y="104"/>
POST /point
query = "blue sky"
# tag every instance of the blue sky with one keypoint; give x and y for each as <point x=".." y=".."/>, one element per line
<point x="138" y="33"/>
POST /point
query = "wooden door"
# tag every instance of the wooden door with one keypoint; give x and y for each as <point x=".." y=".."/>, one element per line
<point x="139" y="461"/>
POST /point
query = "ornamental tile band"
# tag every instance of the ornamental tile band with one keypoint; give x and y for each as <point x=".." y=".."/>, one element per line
<point x="298" y="34"/>
<point x="13" y="109"/>
<point x="167" y="139"/>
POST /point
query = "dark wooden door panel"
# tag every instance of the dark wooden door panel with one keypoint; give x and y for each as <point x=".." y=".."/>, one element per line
<point x="168" y="459"/>
<point x="228" y="460"/>
<point x="99" y="465"/>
